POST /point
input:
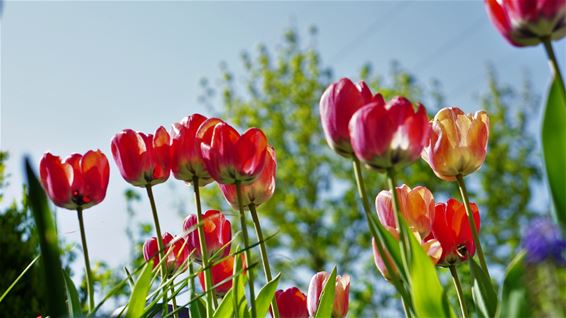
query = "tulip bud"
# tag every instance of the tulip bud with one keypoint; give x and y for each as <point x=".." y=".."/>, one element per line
<point x="217" y="233"/>
<point x="174" y="249"/>
<point x="257" y="192"/>
<point x="143" y="160"/>
<point x="230" y="157"/>
<point x="292" y="303"/>
<point x="388" y="135"/>
<point x="78" y="181"/>
<point x="337" y="105"/>
<point x="341" y="294"/>
<point x="527" y="22"/>
<point x="186" y="158"/>
<point x="457" y="144"/>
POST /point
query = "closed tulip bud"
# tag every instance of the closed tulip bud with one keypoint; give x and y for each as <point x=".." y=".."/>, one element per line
<point x="143" y="160"/>
<point x="451" y="228"/>
<point x="417" y="207"/>
<point x="337" y="105"/>
<point x="341" y="294"/>
<point x="230" y="157"/>
<point x="292" y="303"/>
<point x="186" y="158"/>
<point x="174" y="249"/>
<point x="457" y="144"/>
<point x="527" y="22"/>
<point x="388" y="135"/>
<point x="260" y="190"/>
<point x="217" y="234"/>
<point x="80" y="181"/>
<point x="222" y="274"/>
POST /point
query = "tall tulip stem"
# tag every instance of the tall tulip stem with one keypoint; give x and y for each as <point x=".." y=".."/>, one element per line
<point x="464" y="193"/>
<point x="174" y="298"/>
<point x="159" y="242"/>
<point x="553" y="61"/>
<point x="404" y="239"/>
<point x="208" y="286"/>
<point x="89" y="282"/>
<point x="459" y="291"/>
<point x="247" y="248"/>
<point x="263" y="253"/>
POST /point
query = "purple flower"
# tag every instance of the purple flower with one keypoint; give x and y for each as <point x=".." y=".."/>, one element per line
<point x="543" y="241"/>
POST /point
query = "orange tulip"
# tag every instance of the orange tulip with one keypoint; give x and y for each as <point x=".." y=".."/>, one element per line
<point x="458" y="143"/>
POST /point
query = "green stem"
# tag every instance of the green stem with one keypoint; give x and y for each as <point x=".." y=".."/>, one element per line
<point x="553" y="61"/>
<point x="403" y="235"/>
<point x="159" y="243"/>
<point x="89" y="282"/>
<point x="174" y="298"/>
<point x="208" y="286"/>
<point x="395" y="279"/>
<point x="459" y="291"/>
<point x="191" y="280"/>
<point x="247" y="248"/>
<point x="263" y="253"/>
<point x="464" y="194"/>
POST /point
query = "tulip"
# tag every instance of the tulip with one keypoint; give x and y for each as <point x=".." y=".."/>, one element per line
<point x="292" y="303"/>
<point x="230" y="157"/>
<point x="341" y="294"/>
<point x="417" y="207"/>
<point x="257" y="192"/>
<point x="175" y="251"/>
<point x="452" y="229"/>
<point x="457" y="144"/>
<point x="337" y="105"/>
<point x="222" y="274"/>
<point x="388" y="135"/>
<point x="217" y="233"/>
<point x="143" y="160"/>
<point x="79" y="181"/>
<point x="528" y="22"/>
<point x="186" y="158"/>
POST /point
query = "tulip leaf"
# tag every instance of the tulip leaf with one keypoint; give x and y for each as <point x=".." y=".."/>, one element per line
<point x="136" y="303"/>
<point x="240" y="304"/>
<point x="391" y="245"/>
<point x="226" y="307"/>
<point x="197" y="308"/>
<point x="485" y="297"/>
<point x="514" y="297"/>
<point x="429" y="298"/>
<point x="54" y="284"/>
<point x="554" y="148"/>
<point x="265" y="296"/>
<point x="73" y="302"/>
<point x="326" y="299"/>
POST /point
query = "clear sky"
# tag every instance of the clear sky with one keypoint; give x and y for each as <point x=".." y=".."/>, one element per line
<point x="75" y="73"/>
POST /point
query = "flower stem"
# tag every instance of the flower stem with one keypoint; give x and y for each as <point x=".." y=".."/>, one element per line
<point x="553" y="61"/>
<point x="404" y="239"/>
<point x="208" y="286"/>
<point x="159" y="243"/>
<point x="459" y="291"/>
<point x="247" y="249"/>
<point x="464" y="193"/>
<point x="174" y="299"/>
<point x="89" y="282"/>
<point x="263" y="253"/>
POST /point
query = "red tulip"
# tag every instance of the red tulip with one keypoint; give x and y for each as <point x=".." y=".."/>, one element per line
<point x="222" y="274"/>
<point x="174" y="249"/>
<point x="257" y="192"/>
<point x="452" y="229"/>
<point x="143" y="159"/>
<point x="229" y="157"/>
<point x="387" y="135"/>
<point x="527" y="22"/>
<point x="342" y="289"/>
<point x="292" y="303"/>
<point x="186" y="159"/>
<point x="217" y="233"/>
<point x="78" y="181"/>
<point x="337" y="105"/>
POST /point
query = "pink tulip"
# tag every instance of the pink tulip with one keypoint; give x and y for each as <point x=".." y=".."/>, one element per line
<point x="341" y="294"/>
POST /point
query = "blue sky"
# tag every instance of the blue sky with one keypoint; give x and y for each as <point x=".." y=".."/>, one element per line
<point x="75" y="73"/>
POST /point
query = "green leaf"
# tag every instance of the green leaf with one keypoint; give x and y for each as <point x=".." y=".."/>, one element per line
<point x="197" y="308"/>
<point x="136" y="303"/>
<point x="226" y="307"/>
<point x="73" y="302"/>
<point x="485" y="297"/>
<point x="514" y="300"/>
<point x="15" y="282"/>
<point x="265" y="296"/>
<point x="391" y="245"/>
<point x="240" y="304"/>
<point x="54" y="284"/>
<point x="554" y="148"/>
<point x="326" y="302"/>
<point x="429" y="298"/>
